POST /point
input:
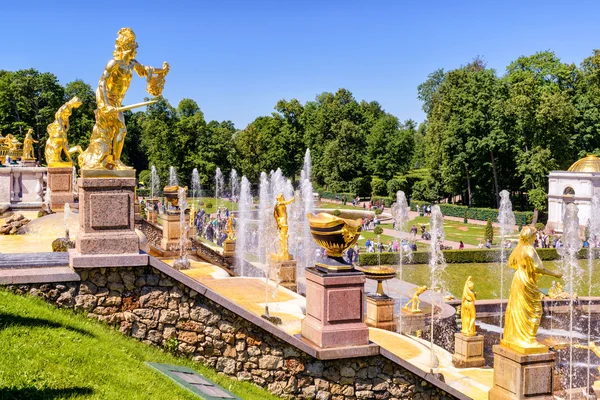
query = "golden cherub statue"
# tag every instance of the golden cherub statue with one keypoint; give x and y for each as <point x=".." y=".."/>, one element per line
<point x="11" y="144"/>
<point x="467" y="309"/>
<point x="230" y="231"/>
<point x="415" y="302"/>
<point x="524" y="309"/>
<point x="108" y="135"/>
<point x="57" y="142"/>
<point x="28" y="146"/>
<point x="280" y="214"/>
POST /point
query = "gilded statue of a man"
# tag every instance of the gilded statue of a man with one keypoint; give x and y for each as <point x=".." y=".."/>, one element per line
<point x="28" y="146"/>
<point x="524" y="309"/>
<point x="57" y="142"/>
<point x="108" y="135"/>
<point x="280" y="214"/>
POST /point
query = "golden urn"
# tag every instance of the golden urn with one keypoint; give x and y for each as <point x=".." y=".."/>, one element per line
<point x="335" y="235"/>
<point x="171" y="194"/>
<point x="378" y="273"/>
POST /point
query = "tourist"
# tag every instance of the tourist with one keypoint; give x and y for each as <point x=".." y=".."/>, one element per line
<point x="418" y="209"/>
<point x="413" y="246"/>
<point x="380" y="247"/>
<point x="356" y="253"/>
<point x="461" y="245"/>
<point x="350" y="255"/>
<point x="413" y="231"/>
<point x="488" y="244"/>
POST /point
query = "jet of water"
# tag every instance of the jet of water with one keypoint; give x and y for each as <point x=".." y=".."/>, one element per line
<point x="219" y="184"/>
<point x="234" y="184"/>
<point x="506" y="219"/>
<point x="173" y="181"/>
<point x="437" y="265"/>
<point x="154" y="182"/>
<point x="195" y="184"/>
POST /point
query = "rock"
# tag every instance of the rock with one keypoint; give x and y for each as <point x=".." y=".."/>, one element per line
<point x="154" y="298"/>
<point x="85" y="302"/>
<point x="138" y="330"/>
<point x="323" y="395"/>
<point x="87" y="288"/>
<point x="226" y="365"/>
<point x="168" y="317"/>
<point x="155" y="336"/>
<point x="190" y="326"/>
<point x="99" y="279"/>
<point x="188" y="337"/>
<point x="128" y="278"/>
<point x="347" y="372"/>
<point x="365" y="394"/>
<point x="270" y="362"/>
<point x="62" y="245"/>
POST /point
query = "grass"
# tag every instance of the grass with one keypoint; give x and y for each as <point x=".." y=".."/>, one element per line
<point x="338" y="206"/>
<point x="456" y="231"/>
<point x="222" y="204"/>
<point x="49" y="353"/>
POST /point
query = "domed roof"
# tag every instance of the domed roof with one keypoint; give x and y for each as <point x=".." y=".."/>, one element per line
<point x="591" y="163"/>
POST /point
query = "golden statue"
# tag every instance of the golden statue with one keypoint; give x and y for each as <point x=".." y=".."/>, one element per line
<point x="280" y="214"/>
<point x="415" y="302"/>
<point x="28" y="146"/>
<point x="591" y="346"/>
<point x="556" y="292"/>
<point x="524" y="309"/>
<point x="467" y="309"/>
<point x="230" y="227"/>
<point x="108" y="135"/>
<point x="57" y="142"/>
<point x="10" y="146"/>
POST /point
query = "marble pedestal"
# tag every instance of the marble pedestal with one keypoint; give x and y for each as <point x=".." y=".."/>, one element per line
<point x="28" y="163"/>
<point x="287" y="273"/>
<point x="522" y="376"/>
<point x="229" y="248"/>
<point x="32" y="184"/>
<point x="171" y="232"/>
<point x="106" y="226"/>
<point x="60" y="183"/>
<point x="380" y="313"/>
<point x="334" y="309"/>
<point x="468" y="351"/>
<point x="152" y="216"/>
<point x="6" y="185"/>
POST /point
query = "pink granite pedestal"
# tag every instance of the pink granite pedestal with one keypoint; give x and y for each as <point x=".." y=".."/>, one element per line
<point x="60" y="183"/>
<point x="335" y="309"/>
<point x="106" y="224"/>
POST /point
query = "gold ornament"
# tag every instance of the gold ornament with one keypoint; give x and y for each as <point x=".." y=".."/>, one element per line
<point x="280" y="214"/>
<point x="467" y="309"/>
<point x="57" y="142"/>
<point x="415" y="302"/>
<point x="524" y="309"/>
<point x="108" y="135"/>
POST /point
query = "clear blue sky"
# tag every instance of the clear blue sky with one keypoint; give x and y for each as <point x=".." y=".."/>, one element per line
<point x="237" y="58"/>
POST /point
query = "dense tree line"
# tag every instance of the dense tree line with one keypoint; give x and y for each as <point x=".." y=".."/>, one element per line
<point x="483" y="133"/>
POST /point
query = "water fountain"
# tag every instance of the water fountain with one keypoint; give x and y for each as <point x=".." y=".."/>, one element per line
<point x="182" y="262"/>
<point x="571" y="271"/>
<point x="506" y="219"/>
<point x="196" y="184"/>
<point x="173" y="181"/>
<point x="593" y="237"/>
<point x="243" y="237"/>
<point x="437" y="265"/>
<point x="74" y="183"/>
<point x="305" y="255"/>
<point x="154" y="182"/>
<point x="263" y="213"/>
<point x="400" y="214"/>
<point x="234" y="185"/>
<point x="219" y="185"/>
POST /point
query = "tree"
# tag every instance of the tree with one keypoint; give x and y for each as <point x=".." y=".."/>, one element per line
<point x="489" y="231"/>
<point x="389" y="147"/>
<point x="82" y="119"/>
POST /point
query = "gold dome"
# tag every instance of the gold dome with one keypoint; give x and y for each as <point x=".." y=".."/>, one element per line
<point x="591" y="163"/>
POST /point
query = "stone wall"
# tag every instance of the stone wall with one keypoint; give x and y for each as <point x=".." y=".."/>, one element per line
<point x="149" y="305"/>
<point x="153" y="233"/>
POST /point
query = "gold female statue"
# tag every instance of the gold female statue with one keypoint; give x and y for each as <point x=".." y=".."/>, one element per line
<point x="467" y="309"/>
<point x="108" y="135"/>
<point x="524" y="309"/>
<point x="28" y="146"/>
<point x="57" y="142"/>
<point x="280" y="214"/>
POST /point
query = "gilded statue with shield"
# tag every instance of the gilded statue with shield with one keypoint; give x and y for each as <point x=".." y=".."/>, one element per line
<point x="108" y="135"/>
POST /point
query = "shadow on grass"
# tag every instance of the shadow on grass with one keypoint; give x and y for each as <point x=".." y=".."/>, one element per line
<point x="31" y="393"/>
<point x="8" y="320"/>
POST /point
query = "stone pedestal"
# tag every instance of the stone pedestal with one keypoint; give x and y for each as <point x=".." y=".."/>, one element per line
<point x="520" y="376"/>
<point x="380" y="313"/>
<point x="28" y="163"/>
<point x="229" y="248"/>
<point x="106" y="224"/>
<point x="334" y="309"/>
<point x="287" y="273"/>
<point x="171" y="232"/>
<point x="468" y="351"/>
<point x="151" y="215"/>
<point x="60" y="183"/>
<point x="411" y="322"/>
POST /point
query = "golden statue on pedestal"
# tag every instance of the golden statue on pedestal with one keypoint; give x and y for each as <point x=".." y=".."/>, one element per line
<point x="57" y="142"/>
<point x="415" y="302"/>
<point x="230" y="231"/>
<point x="524" y="309"/>
<point x="467" y="309"/>
<point x="28" y="146"/>
<point x="10" y="146"/>
<point x="280" y="214"/>
<point x="108" y="135"/>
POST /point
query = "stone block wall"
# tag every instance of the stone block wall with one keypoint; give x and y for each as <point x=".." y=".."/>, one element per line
<point x="152" y="307"/>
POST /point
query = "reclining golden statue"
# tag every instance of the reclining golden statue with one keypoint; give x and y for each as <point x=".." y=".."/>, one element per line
<point x="57" y="142"/>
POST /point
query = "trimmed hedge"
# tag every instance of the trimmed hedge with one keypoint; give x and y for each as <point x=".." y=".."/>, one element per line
<point x="331" y="196"/>
<point x="481" y="214"/>
<point x="456" y="256"/>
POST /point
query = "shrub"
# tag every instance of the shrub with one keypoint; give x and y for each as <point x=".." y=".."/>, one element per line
<point x="378" y="230"/>
<point x="480" y="214"/>
<point x="144" y="177"/>
<point x="171" y="345"/>
<point x="336" y="212"/>
<point x="386" y="200"/>
<point x="378" y="211"/>
<point x="489" y="231"/>
<point x="540" y="226"/>
<point x="394" y="185"/>
<point x="209" y="205"/>
<point x="378" y="186"/>
<point x="143" y="192"/>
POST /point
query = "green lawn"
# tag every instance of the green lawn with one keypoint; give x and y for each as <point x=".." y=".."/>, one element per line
<point x="49" y="353"/>
<point x="337" y="206"/>
<point x="457" y="231"/>
<point x="223" y="203"/>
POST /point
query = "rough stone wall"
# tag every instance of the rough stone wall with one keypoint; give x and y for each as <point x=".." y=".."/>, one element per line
<point x="153" y="233"/>
<point x="152" y="307"/>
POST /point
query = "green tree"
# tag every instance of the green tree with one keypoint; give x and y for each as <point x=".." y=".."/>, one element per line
<point x="390" y="147"/>
<point x="489" y="231"/>
<point x="82" y="119"/>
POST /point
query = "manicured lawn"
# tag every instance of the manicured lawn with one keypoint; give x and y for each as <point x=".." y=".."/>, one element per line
<point x="223" y="203"/>
<point x="337" y="206"/>
<point x="48" y="353"/>
<point x="457" y="231"/>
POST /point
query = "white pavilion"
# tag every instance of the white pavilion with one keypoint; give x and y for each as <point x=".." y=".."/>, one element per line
<point x="576" y="185"/>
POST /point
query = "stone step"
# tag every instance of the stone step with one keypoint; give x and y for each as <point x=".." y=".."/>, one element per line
<point x="33" y="260"/>
<point x="37" y="275"/>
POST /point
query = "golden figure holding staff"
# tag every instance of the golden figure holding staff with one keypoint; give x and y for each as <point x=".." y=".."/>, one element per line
<point x="524" y="309"/>
<point x="467" y="309"/>
<point x="280" y="214"/>
<point x="230" y="232"/>
<point x="28" y="146"/>
<point x="108" y="135"/>
<point x="415" y="302"/>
